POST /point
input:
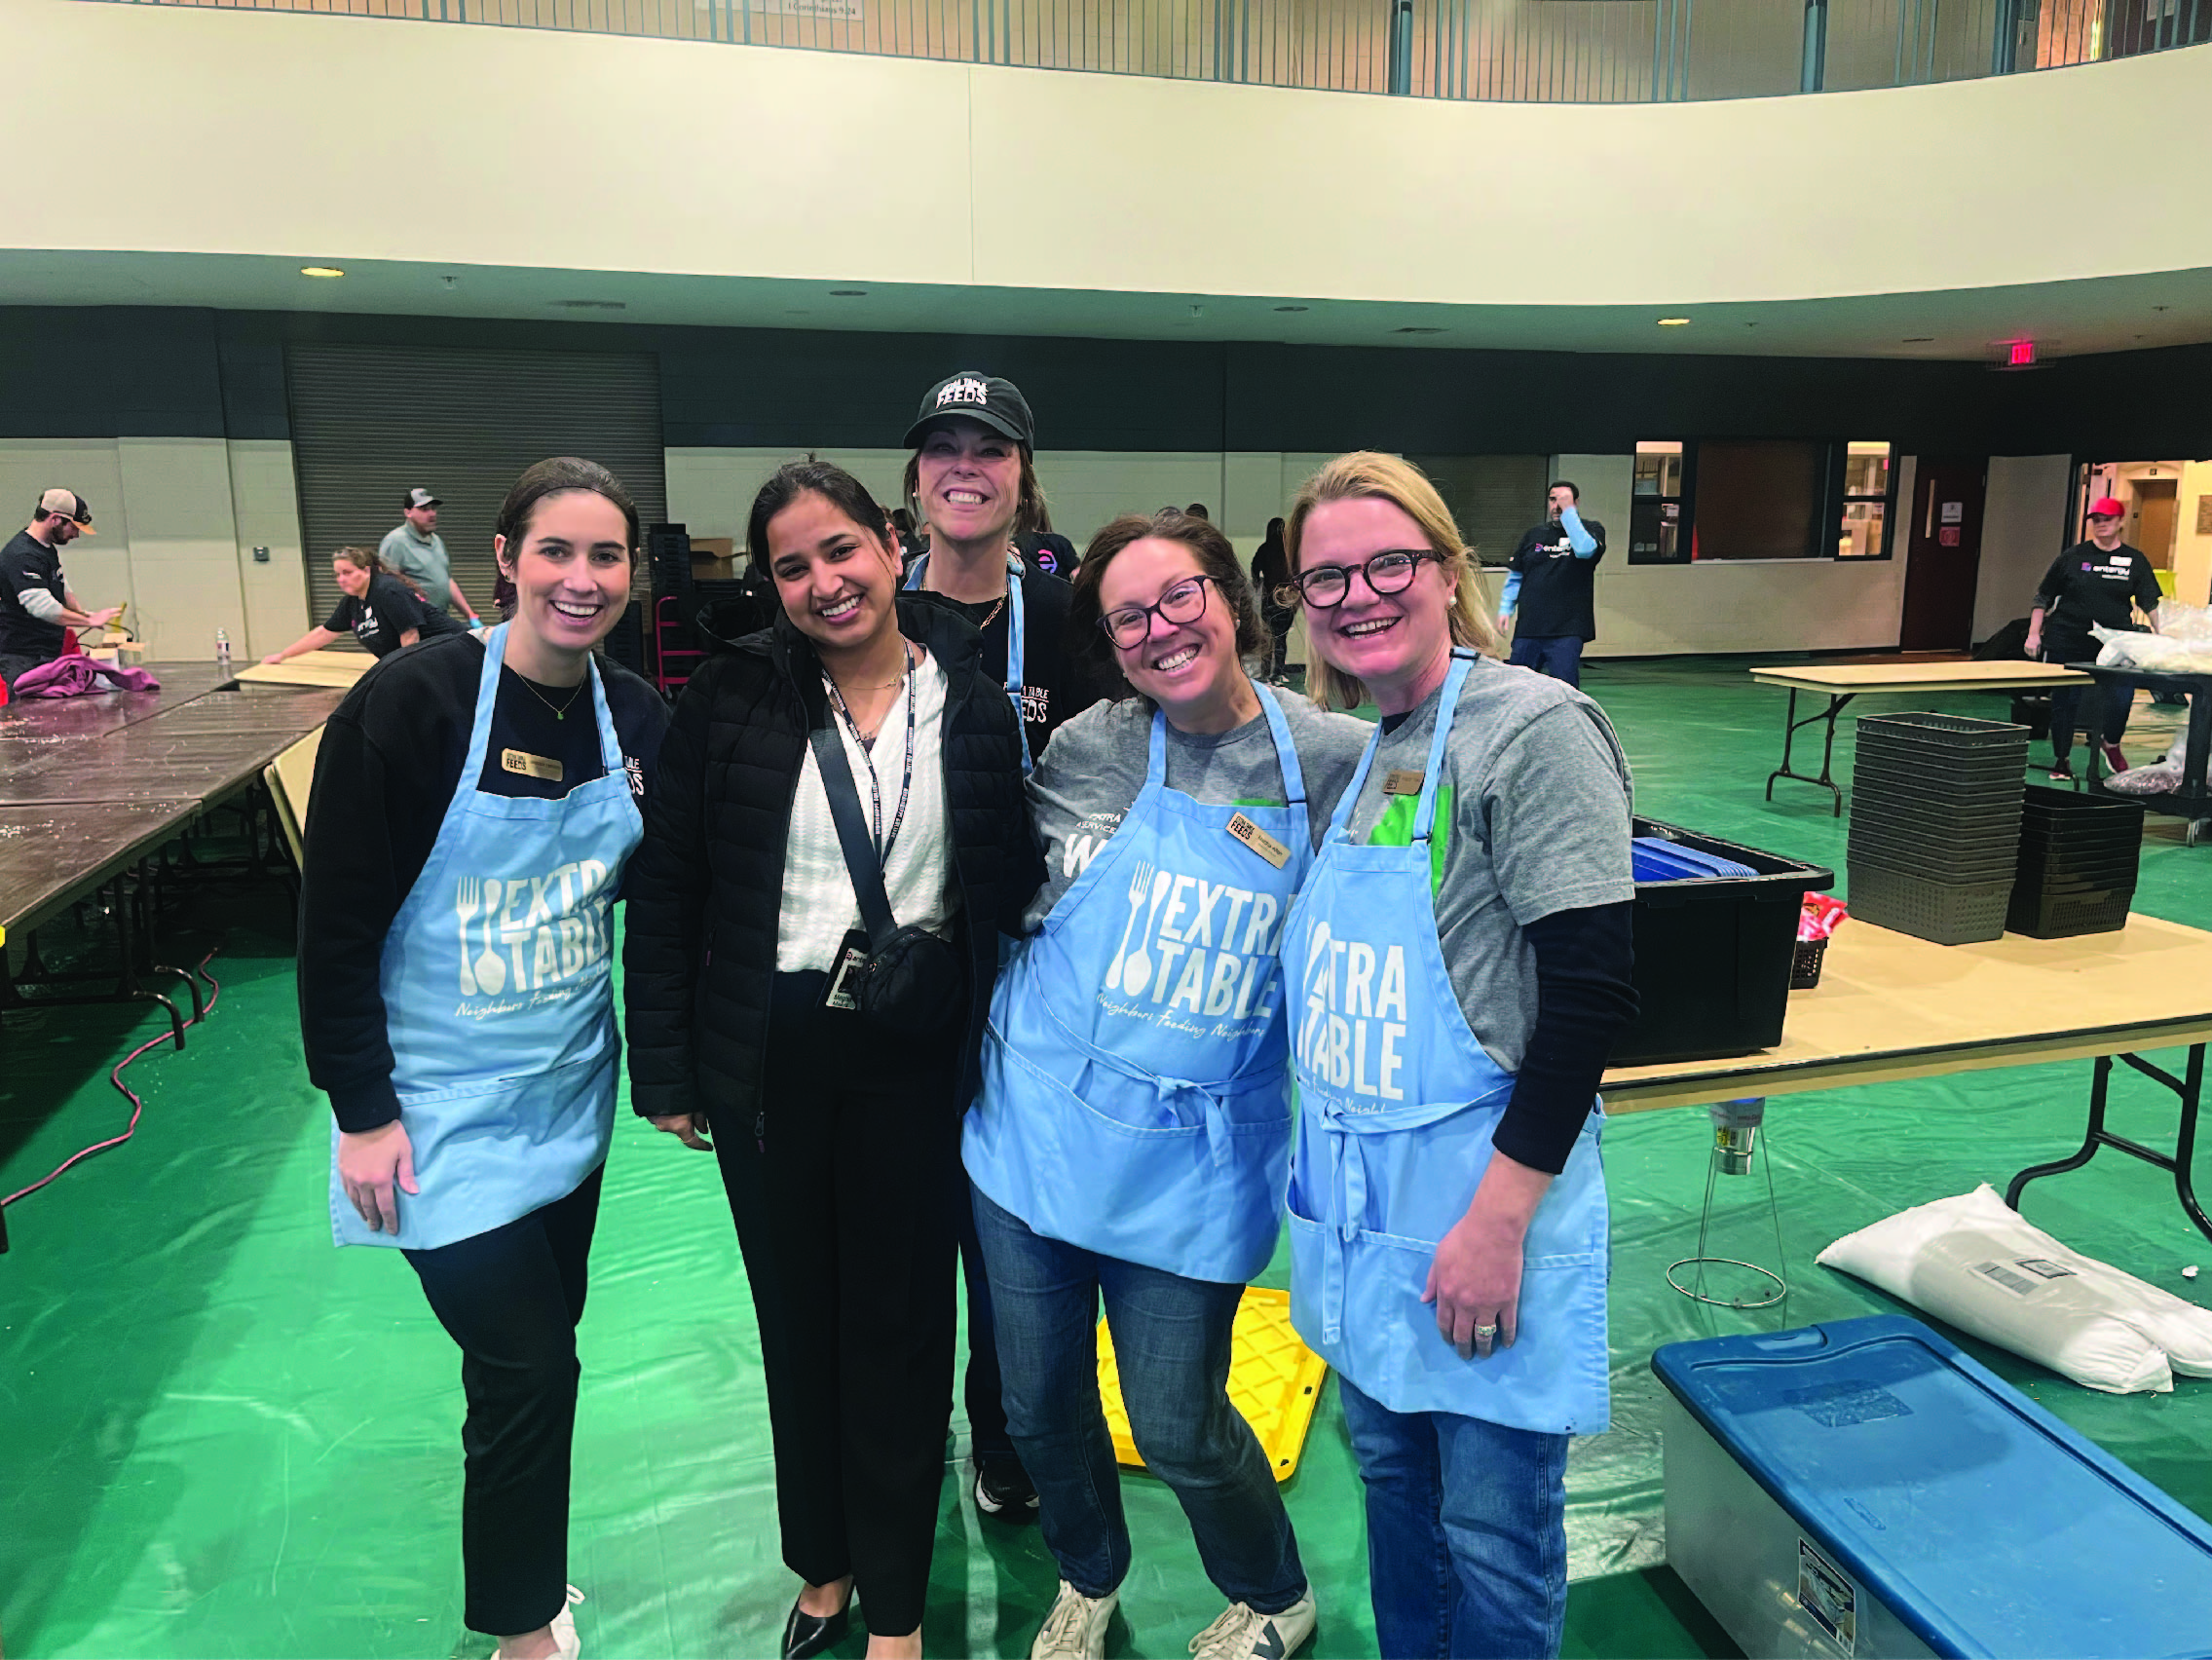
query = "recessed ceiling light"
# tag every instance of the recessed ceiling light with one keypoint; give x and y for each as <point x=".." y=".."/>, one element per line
<point x="591" y="304"/>
<point x="1918" y="340"/>
<point x="320" y="271"/>
<point x="849" y="293"/>
<point x="1294" y="308"/>
<point x="1674" y="322"/>
<point x="1416" y="330"/>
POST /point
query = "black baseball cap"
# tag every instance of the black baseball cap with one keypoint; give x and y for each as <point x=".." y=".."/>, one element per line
<point x="994" y="401"/>
<point x="419" y="497"/>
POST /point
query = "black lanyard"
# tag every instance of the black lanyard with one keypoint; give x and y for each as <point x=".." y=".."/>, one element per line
<point x="874" y="787"/>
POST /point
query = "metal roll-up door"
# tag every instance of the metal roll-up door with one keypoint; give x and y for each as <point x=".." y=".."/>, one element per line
<point x="1492" y="497"/>
<point x="371" y="421"/>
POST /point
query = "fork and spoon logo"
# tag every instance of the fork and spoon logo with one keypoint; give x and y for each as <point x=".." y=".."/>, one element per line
<point x="1131" y="971"/>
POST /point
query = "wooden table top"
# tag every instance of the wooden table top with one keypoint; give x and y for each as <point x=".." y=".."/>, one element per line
<point x="1915" y="677"/>
<point x="201" y="752"/>
<point x="100" y="712"/>
<point x="310" y="668"/>
<point x="1890" y="1006"/>
<point x="50" y="855"/>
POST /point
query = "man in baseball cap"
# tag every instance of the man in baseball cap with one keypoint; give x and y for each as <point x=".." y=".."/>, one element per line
<point x="36" y="606"/>
<point x="414" y="550"/>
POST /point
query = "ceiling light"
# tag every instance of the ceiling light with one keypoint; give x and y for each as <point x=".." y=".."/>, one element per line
<point x="1416" y="330"/>
<point x="1918" y="340"/>
<point x="591" y="304"/>
<point x="1674" y="322"/>
<point x="1294" y="308"/>
<point x="849" y="293"/>
<point x="320" y="271"/>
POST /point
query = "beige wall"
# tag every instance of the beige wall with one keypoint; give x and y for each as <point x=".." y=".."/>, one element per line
<point x="2193" y="552"/>
<point x="176" y="520"/>
<point x="213" y="130"/>
<point x="2022" y="529"/>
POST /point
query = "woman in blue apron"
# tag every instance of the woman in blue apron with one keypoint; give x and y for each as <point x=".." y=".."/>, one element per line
<point x="474" y="805"/>
<point x="1457" y="967"/>
<point x="972" y="474"/>
<point x="1131" y="1135"/>
<point x="837" y="1133"/>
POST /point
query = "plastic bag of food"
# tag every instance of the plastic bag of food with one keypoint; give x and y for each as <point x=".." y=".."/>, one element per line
<point x="2160" y="653"/>
<point x="1977" y="1263"/>
<point x="2179" y="622"/>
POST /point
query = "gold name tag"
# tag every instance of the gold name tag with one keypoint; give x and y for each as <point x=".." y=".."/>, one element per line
<point x="1258" y="841"/>
<point x="530" y="766"/>
<point x="1402" y="780"/>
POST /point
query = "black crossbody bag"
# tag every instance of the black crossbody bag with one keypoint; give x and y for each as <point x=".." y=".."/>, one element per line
<point x="910" y="982"/>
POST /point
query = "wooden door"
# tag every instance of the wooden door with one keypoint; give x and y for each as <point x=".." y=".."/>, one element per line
<point x="1942" y="553"/>
<point x="2155" y="520"/>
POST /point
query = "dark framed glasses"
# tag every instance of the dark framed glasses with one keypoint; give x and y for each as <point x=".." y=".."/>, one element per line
<point x="1185" y="602"/>
<point x="1390" y="570"/>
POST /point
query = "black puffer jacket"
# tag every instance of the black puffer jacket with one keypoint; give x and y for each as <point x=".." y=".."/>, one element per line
<point x="710" y="870"/>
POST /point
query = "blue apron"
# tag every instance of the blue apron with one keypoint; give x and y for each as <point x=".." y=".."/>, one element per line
<point x="1015" y="634"/>
<point x="1396" y="1105"/>
<point x="498" y="997"/>
<point x="1135" y="1096"/>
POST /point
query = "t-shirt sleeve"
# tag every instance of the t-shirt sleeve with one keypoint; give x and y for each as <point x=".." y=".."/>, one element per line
<point x="1079" y="790"/>
<point x="341" y="618"/>
<point x="1554" y="815"/>
<point x="2148" y="593"/>
<point x="2052" y="586"/>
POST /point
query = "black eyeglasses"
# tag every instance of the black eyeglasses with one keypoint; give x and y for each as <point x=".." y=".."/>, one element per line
<point x="1185" y="602"/>
<point x="1388" y="572"/>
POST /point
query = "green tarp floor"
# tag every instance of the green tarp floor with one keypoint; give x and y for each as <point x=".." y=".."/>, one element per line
<point x="219" y="1436"/>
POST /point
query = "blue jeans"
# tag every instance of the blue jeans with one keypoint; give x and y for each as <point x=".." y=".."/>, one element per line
<point x="1467" y="1540"/>
<point x="1171" y="1340"/>
<point x="1558" y="655"/>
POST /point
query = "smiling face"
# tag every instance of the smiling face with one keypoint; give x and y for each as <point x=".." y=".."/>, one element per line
<point x="353" y="579"/>
<point x="1189" y="668"/>
<point x="571" y="570"/>
<point x="1397" y="645"/>
<point x="969" y="481"/>
<point x="838" y="580"/>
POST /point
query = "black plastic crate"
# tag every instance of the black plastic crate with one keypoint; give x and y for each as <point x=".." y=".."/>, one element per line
<point x="1947" y="914"/>
<point x="1964" y="772"/>
<point x="1902" y="860"/>
<point x="1947" y="732"/>
<point x="2082" y="861"/>
<point x="1936" y="806"/>
<point x="2044" y="915"/>
<point x="1978" y="832"/>
<point x="1713" y="955"/>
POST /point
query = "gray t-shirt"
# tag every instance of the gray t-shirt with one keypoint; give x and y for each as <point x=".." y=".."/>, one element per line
<point x="1093" y="770"/>
<point x="1532" y="817"/>
<point x="423" y="562"/>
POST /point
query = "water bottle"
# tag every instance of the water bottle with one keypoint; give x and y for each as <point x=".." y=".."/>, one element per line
<point x="223" y="651"/>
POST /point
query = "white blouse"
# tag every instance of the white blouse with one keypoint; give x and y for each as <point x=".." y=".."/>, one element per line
<point x="818" y="904"/>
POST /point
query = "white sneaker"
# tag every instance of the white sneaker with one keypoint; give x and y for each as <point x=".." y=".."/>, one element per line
<point x="1077" y="1627"/>
<point x="1244" y="1632"/>
<point x="565" y="1644"/>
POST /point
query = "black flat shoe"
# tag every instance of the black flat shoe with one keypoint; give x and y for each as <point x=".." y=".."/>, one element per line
<point x="805" y="1634"/>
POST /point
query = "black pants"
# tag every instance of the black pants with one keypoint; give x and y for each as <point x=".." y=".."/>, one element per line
<point x="846" y="1214"/>
<point x="512" y="1299"/>
<point x="2118" y="697"/>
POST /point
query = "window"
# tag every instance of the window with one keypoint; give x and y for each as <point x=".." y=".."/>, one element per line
<point x="1659" y="532"/>
<point x="1865" y="500"/>
<point x="1760" y="499"/>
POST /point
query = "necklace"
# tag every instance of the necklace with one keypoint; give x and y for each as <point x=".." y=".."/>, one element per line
<point x="837" y="693"/>
<point x="560" y="710"/>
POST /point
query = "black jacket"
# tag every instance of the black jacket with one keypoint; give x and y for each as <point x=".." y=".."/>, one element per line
<point x="705" y="889"/>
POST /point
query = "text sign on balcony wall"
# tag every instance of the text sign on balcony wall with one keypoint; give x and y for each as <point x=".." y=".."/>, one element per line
<point x="830" y="10"/>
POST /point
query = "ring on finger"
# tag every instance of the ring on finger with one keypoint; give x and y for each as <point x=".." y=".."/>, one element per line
<point x="1483" y="1333"/>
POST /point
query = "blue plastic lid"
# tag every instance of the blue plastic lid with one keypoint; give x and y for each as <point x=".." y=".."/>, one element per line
<point x="1986" y="1525"/>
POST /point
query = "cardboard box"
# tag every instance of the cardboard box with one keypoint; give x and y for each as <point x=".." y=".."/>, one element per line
<point x="714" y="556"/>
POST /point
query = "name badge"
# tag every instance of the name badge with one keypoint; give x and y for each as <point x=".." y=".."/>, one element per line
<point x="1258" y="841"/>
<point x="1402" y="781"/>
<point x="530" y="766"/>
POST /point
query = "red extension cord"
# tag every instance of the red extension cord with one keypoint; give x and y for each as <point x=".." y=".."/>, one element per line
<point x="137" y="1106"/>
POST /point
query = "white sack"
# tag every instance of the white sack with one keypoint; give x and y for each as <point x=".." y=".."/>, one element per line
<point x="1975" y="1263"/>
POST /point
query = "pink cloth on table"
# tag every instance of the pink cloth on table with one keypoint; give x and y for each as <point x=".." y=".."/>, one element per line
<point x="74" y="676"/>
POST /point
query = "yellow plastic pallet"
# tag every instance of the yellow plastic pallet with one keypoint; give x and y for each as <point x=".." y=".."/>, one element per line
<point x="1274" y="1381"/>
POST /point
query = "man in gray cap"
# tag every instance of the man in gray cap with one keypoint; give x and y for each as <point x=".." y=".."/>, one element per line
<point x="36" y="606"/>
<point x="416" y="552"/>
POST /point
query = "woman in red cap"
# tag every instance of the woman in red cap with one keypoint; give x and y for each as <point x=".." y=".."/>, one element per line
<point x="2101" y="582"/>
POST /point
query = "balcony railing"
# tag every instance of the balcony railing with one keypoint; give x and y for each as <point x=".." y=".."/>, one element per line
<point x="1531" y="51"/>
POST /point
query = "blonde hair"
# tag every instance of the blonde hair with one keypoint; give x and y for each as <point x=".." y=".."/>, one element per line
<point x="1370" y="474"/>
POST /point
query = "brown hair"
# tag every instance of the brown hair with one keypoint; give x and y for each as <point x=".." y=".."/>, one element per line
<point x="1216" y="558"/>
<point x="1370" y="474"/>
<point x="816" y="477"/>
<point x="364" y="559"/>
<point x="552" y="477"/>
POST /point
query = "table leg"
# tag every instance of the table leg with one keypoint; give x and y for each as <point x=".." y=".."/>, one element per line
<point x="1826" y="779"/>
<point x="2188" y="1088"/>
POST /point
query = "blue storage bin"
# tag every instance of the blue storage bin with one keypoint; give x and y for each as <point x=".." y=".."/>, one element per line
<point x="1863" y="1488"/>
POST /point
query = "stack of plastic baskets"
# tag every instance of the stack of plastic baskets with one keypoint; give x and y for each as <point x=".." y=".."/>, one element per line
<point x="1935" y="824"/>
<point x="2079" y="855"/>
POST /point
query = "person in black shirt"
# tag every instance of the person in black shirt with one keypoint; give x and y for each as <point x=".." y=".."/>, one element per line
<point x="2101" y="582"/>
<point x="474" y="808"/>
<point x="1553" y="586"/>
<point x="1270" y="575"/>
<point x="376" y="608"/>
<point x="36" y="606"/>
